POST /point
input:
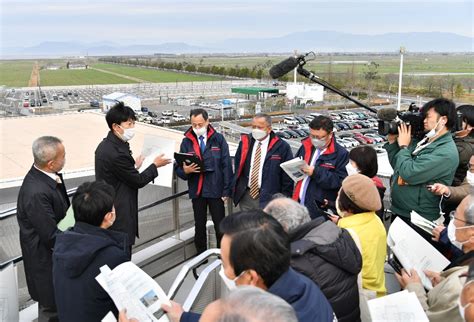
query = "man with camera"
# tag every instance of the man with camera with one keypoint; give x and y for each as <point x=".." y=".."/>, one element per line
<point x="418" y="165"/>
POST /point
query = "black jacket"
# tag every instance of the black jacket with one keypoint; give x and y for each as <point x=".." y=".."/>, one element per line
<point x="115" y="165"/>
<point x="329" y="256"/>
<point x="78" y="255"/>
<point x="42" y="203"/>
<point x="215" y="182"/>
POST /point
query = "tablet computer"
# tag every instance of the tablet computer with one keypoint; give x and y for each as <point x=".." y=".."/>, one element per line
<point x="188" y="159"/>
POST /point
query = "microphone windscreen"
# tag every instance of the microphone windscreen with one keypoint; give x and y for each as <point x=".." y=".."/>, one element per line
<point x="284" y="67"/>
<point x="387" y="114"/>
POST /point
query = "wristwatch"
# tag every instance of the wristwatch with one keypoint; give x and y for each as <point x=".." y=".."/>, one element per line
<point x="403" y="147"/>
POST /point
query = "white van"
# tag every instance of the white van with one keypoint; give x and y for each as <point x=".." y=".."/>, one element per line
<point x="290" y="120"/>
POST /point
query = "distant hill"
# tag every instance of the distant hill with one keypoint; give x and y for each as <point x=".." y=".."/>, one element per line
<point x="320" y="41"/>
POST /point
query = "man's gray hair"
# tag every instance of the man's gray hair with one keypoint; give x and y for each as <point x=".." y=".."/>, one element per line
<point x="45" y="149"/>
<point x="267" y="118"/>
<point x="289" y="213"/>
<point x="252" y="304"/>
<point x="469" y="212"/>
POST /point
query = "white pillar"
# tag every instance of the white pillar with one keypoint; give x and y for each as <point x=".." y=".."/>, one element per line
<point x="402" y="51"/>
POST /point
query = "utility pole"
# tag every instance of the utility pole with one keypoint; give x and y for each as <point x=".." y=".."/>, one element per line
<point x="294" y="71"/>
<point x="402" y="51"/>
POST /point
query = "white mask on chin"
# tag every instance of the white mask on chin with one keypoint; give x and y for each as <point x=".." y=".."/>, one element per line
<point x="432" y="133"/>
<point x="470" y="178"/>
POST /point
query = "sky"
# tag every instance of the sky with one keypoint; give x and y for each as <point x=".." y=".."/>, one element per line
<point x="28" y="23"/>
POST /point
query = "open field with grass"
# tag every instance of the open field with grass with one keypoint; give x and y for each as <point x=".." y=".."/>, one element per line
<point x="153" y="75"/>
<point x="413" y="63"/>
<point x="15" y="73"/>
<point x="79" y="77"/>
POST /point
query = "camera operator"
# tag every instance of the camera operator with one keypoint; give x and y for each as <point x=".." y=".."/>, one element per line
<point x="418" y="165"/>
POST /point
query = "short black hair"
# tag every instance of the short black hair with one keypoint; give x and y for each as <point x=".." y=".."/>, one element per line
<point x="92" y="201"/>
<point x="365" y="157"/>
<point x="119" y="113"/>
<point x="346" y="204"/>
<point x="258" y="242"/>
<point x="444" y="107"/>
<point x="199" y="111"/>
<point x="322" y="122"/>
<point x="467" y="112"/>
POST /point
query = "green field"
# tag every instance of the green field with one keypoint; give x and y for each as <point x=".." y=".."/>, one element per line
<point x="79" y="77"/>
<point x="15" y="73"/>
<point x="153" y="75"/>
<point x="413" y="63"/>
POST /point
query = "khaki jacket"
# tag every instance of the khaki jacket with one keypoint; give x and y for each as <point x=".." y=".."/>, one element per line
<point x="441" y="303"/>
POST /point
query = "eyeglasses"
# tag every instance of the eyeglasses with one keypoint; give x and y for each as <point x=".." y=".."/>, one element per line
<point x="452" y="216"/>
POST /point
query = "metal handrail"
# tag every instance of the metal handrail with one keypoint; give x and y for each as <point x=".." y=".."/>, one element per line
<point x="70" y="193"/>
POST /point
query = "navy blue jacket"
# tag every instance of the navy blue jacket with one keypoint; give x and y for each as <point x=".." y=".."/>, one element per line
<point x="329" y="172"/>
<point x="274" y="179"/>
<point x="215" y="182"/>
<point x="300" y="292"/>
<point x="77" y="257"/>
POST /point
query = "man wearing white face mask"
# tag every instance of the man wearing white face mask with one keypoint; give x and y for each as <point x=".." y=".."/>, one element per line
<point x="418" y="165"/>
<point x="326" y="169"/>
<point x="209" y="187"/>
<point x="258" y="175"/>
<point x="82" y="250"/>
<point x="115" y="165"/>
<point x="441" y="303"/>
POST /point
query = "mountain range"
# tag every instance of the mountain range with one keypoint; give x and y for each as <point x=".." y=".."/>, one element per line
<point x="318" y="41"/>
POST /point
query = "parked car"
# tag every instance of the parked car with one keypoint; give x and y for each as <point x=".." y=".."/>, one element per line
<point x="290" y="120"/>
<point x="152" y="114"/>
<point x="300" y="119"/>
<point x="93" y="103"/>
<point x="346" y="144"/>
<point x="363" y="137"/>
<point x="291" y="133"/>
<point x="300" y="133"/>
<point x="167" y="113"/>
<point x="178" y="118"/>
<point x="282" y="135"/>
<point x="144" y="109"/>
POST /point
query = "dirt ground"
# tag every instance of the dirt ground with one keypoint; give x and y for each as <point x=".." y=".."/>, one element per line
<point x="34" y="78"/>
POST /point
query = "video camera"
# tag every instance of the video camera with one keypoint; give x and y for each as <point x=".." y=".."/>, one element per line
<point x="389" y="119"/>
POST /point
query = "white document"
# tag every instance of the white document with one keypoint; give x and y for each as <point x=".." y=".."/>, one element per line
<point x="293" y="169"/>
<point x="9" y="294"/>
<point x="414" y="252"/>
<point x="133" y="289"/>
<point x="153" y="146"/>
<point x="397" y="307"/>
<point x="422" y="222"/>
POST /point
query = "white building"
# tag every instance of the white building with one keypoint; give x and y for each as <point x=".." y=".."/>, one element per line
<point x="305" y="92"/>
<point x="129" y="100"/>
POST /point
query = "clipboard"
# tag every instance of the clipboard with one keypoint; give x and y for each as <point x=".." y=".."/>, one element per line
<point x="189" y="159"/>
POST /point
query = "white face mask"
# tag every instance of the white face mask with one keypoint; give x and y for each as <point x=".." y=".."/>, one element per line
<point x="462" y="309"/>
<point x="128" y="134"/>
<point x="200" y="131"/>
<point x="452" y="234"/>
<point x="433" y="131"/>
<point x="317" y="143"/>
<point x="338" y="210"/>
<point x="258" y="134"/>
<point x="227" y="281"/>
<point x="351" y="169"/>
<point x="470" y="178"/>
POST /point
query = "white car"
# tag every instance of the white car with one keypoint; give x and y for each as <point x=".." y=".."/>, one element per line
<point x="178" y="118"/>
<point x="167" y="113"/>
<point x="375" y="137"/>
<point x="345" y="143"/>
<point x="290" y="120"/>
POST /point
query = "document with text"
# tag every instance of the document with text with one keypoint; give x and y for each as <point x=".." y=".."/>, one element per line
<point x="133" y="289"/>
<point x="293" y="169"/>
<point x="397" y="307"/>
<point x="414" y="252"/>
<point x="153" y="146"/>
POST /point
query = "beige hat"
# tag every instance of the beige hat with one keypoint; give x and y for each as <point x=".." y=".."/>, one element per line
<point x="362" y="191"/>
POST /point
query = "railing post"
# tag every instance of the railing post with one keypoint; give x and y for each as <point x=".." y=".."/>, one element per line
<point x="174" y="190"/>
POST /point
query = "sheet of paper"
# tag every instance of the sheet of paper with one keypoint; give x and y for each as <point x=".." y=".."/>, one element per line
<point x="9" y="294"/>
<point x="422" y="222"/>
<point x="153" y="146"/>
<point x="414" y="252"/>
<point x="131" y="288"/>
<point x="293" y="169"/>
<point x="397" y="307"/>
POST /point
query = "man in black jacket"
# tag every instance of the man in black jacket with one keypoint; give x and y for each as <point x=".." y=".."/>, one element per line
<point x="115" y="165"/>
<point x="82" y="250"/>
<point x="42" y="203"/>
<point x="323" y="252"/>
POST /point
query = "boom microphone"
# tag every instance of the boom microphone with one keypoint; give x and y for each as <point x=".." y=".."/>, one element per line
<point x="387" y="114"/>
<point x="285" y="66"/>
